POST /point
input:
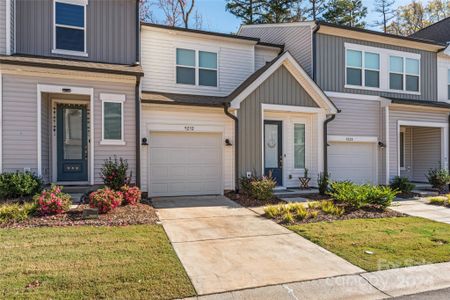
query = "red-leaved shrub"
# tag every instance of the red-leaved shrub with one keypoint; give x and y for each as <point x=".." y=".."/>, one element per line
<point x="52" y="201"/>
<point x="131" y="195"/>
<point x="105" y="200"/>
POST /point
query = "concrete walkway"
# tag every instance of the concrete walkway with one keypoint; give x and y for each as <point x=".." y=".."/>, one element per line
<point x="376" y="285"/>
<point x="420" y="208"/>
<point x="226" y="247"/>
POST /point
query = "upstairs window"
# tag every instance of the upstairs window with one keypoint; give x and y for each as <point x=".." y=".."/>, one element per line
<point x="70" y="27"/>
<point x="196" y="67"/>
<point x="363" y="68"/>
<point x="404" y="74"/>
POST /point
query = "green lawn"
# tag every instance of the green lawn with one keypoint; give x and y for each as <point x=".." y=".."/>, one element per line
<point x="133" y="262"/>
<point x="395" y="242"/>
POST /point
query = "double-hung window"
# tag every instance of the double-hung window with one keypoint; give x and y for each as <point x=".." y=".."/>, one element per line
<point x="70" y="27"/>
<point x="196" y="67"/>
<point x="363" y="68"/>
<point x="112" y="119"/>
<point x="404" y="74"/>
<point x="299" y="146"/>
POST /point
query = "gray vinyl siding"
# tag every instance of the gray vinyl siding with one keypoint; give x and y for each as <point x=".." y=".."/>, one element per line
<point x="280" y="88"/>
<point x="296" y="39"/>
<point x="330" y="68"/>
<point x="111" y="30"/>
<point x="410" y="114"/>
<point x="20" y="119"/>
<point x="3" y="27"/>
<point x="426" y="151"/>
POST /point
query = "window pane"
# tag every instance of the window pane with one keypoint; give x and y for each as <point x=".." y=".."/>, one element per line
<point x="186" y="57"/>
<point x="372" y="78"/>
<point x="208" y="60"/>
<point x="402" y="149"/>
<point x="112" y="121"/>
<point x="299" y="146"/>
<point x="69" y="39"/>
<point x="73" y="133"/>
<point x="371" y="61"/>
<point x="207" y="77"/>
<point x="448" y="92"/>
<point x="412" y="83"/>
<point x="270" y="146"/>
<point x="354" y="76"/>
<point x="448" y="77"/>
<point x="69" y="14"/>
<point x="396" y="64"/>
<point x="412" y="66"/>
<point x="185" y="75"/>
<point x="396" y="81"/>
<point x="354" y="58"/>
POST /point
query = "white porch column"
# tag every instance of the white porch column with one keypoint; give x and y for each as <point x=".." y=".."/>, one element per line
<point x="386" y="147"/>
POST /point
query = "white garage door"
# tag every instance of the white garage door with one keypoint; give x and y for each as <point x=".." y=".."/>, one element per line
<point x="185" y="164"/>
<point x="352" y="161"/>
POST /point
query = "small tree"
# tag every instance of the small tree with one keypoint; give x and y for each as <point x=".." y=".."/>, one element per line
<point x="384" y="8"/>
<point x="115" y="173"/>
<point x="439" y="178"/>
<point x="346" y="12"/>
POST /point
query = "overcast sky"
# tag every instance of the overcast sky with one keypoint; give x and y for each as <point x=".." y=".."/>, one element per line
<point x="215" y="18"/>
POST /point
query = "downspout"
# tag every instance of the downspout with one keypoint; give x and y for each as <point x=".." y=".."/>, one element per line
<point x="226" y="106"/>
<point x="314" y="48"/>
<point x="138" y="34"/>
<point x="325" y="142"/>
<point x="138" y="130"/>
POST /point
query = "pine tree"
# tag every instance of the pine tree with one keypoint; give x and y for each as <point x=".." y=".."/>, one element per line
<point x="248" y="10"/>
<point x="346" y="12"/>
<point x="276" y="11"/>
<point x="384" y="7"/>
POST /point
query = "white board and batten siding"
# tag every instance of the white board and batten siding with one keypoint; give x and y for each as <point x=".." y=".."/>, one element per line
<point x="186" y="147"/>
<point x="236" y="60"/>
<point x="443" y="77"/>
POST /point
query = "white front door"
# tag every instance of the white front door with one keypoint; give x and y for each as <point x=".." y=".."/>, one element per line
<point x="354" y="161"/>
<point x="183" y="163"/>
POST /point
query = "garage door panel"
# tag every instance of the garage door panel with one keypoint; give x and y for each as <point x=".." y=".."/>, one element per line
<point x="185" y="164"/>
<point x="352" y="161"/>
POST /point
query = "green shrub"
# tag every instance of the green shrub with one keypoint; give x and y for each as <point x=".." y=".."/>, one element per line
<point x="273" y="211"/>
<point x="16" y="212"/>
<point x="402" y="184"/>
<point x="322" y="182"/>
<point x="114" y="173"/>
<point x="52" y="201"/>
<point x="314" y="205"/>
<point x="288" y="218"/>
<point x="329" y="208"/>
<point x="300" y="212"/>
<point x="262" y="188"/>
<point x="349" y="193"/>
<point x="312" y="214"/>
<point x="19" y="185"/>
<point x="381" y="195"/>
<point x="439" y="178"/>
<point x="245" y="184"/>
<point x="438" y="200"/>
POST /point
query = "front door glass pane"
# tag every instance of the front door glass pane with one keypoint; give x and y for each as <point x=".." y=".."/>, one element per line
<point x="271" y="146"/>
<point x="73" y="133"/>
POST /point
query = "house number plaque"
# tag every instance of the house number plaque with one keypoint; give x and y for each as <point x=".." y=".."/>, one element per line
<point x="189" y="128"/>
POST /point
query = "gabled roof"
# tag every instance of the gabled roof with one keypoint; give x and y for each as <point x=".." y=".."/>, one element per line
<point x="286" y="59"/>
<point x="439" y="31"/>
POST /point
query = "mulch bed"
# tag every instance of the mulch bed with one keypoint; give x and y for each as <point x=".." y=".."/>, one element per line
<point x="142" y="213"/>
<point x="247" y="201"/>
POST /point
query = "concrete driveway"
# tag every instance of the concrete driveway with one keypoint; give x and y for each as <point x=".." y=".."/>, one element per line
<point x="420" y="208"/>
<point x="224" y="246"/>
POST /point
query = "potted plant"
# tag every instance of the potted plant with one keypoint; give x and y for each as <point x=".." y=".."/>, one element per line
<point x="304" y="181"/>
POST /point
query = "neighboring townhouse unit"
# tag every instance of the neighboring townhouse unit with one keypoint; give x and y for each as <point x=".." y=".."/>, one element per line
<point x="391" y="120"/>
<point x="219" y="106"/>
<point x="69" y="87"/>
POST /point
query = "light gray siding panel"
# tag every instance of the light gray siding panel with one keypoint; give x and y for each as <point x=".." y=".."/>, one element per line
<point x="296" y="39"/>
<point x="330" y="68"/>
<point x="20" y="119"/>
<point x="408" y="114"/>
<point x="111" y="34"/>
<point x="426" y="151"/>
<point x="280" y="88"/>
<point x="3" y="27"/>
<point x="408" y="170"/>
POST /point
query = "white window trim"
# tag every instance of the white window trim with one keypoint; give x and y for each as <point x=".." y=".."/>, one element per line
<point x="197" y="68"/>
<point x="384" y="70"/>
<point x="113" y="98"/>
<point x="84" y="53"/>
<point x="404" y="73"/>
<point x="293" y="145"/>
<point x="402" y="131"/>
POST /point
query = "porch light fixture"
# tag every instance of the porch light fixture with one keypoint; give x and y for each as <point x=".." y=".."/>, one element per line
<point x="228" y="142"/>
<point x="381" y="145"/>
<point x="144" y="142"/>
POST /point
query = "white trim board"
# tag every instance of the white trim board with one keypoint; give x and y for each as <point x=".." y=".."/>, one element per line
<point x="299" y="74"/>
<point x="353" y="139"/>
<point x="8" y="27"/>
<point x="1" y="123"/>
<point x="44" y="88"/>
<point x="291" y="108"/>
<point x="113" y="98"/>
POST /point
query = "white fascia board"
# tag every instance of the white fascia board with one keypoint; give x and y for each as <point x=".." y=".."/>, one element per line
<point x="299" y="74"/>
<point x="352" y="139"/>
<point x="293" y="24"/>
<point x="291" y="108"/>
